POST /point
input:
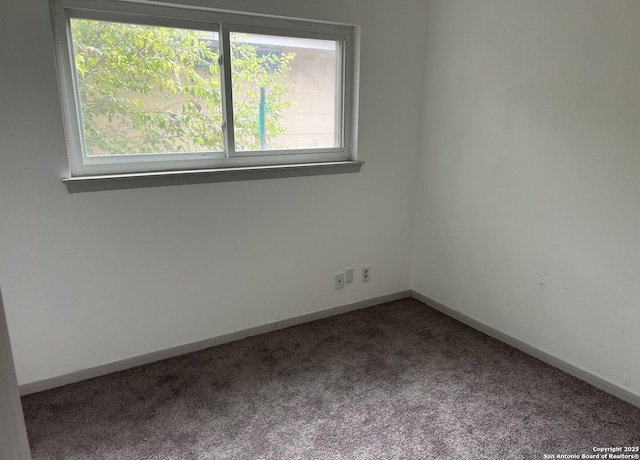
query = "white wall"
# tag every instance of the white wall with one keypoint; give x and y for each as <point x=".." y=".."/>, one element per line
<point x="528" y="215"/>
<point x="93" y="278"/>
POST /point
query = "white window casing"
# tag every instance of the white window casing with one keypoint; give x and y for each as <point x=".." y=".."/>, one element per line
<point x="85" y="166"/>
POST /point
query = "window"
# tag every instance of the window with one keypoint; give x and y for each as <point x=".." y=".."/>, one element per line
<point x="151" y="88"/>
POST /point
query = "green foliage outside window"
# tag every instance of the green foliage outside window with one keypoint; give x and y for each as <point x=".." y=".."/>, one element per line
<point x="147" y="89"/>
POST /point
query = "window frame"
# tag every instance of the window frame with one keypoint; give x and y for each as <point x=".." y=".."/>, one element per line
<point x="222" y="22"/>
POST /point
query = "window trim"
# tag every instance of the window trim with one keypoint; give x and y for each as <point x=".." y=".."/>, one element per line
<point x="222" y="22"/>
<point x="200" y="176"/>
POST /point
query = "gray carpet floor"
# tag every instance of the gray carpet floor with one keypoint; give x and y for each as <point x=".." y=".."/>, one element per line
<point x="394" y="381"/>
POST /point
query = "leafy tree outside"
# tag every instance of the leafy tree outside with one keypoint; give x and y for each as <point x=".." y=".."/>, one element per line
<point x="147" y="89"/>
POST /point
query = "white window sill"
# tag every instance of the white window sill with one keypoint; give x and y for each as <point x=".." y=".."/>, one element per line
<point x="201" y="176"/>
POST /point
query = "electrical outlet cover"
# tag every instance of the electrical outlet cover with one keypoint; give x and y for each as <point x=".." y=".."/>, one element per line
<point x="348" y="275"/>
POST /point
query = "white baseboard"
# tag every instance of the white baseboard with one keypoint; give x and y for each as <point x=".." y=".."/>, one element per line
<point x="559" y="363"/>
<point x="128" y="363"/>
<point x="103" y="369"/>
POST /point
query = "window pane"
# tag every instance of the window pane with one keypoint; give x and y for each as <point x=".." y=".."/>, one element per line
<point x="284" y="92"/>
<point x="147" y="89"/>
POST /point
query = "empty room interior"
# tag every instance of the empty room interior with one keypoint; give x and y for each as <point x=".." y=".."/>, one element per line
<point x="452" y="272"/>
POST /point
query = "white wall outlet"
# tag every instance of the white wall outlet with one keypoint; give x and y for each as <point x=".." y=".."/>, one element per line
<point x="348" y="275"/>
<point x="366" y="273"/>
<point x="339" y="278"/>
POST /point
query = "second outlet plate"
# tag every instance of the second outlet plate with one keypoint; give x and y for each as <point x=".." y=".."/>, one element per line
<point x="348" y="275"/>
